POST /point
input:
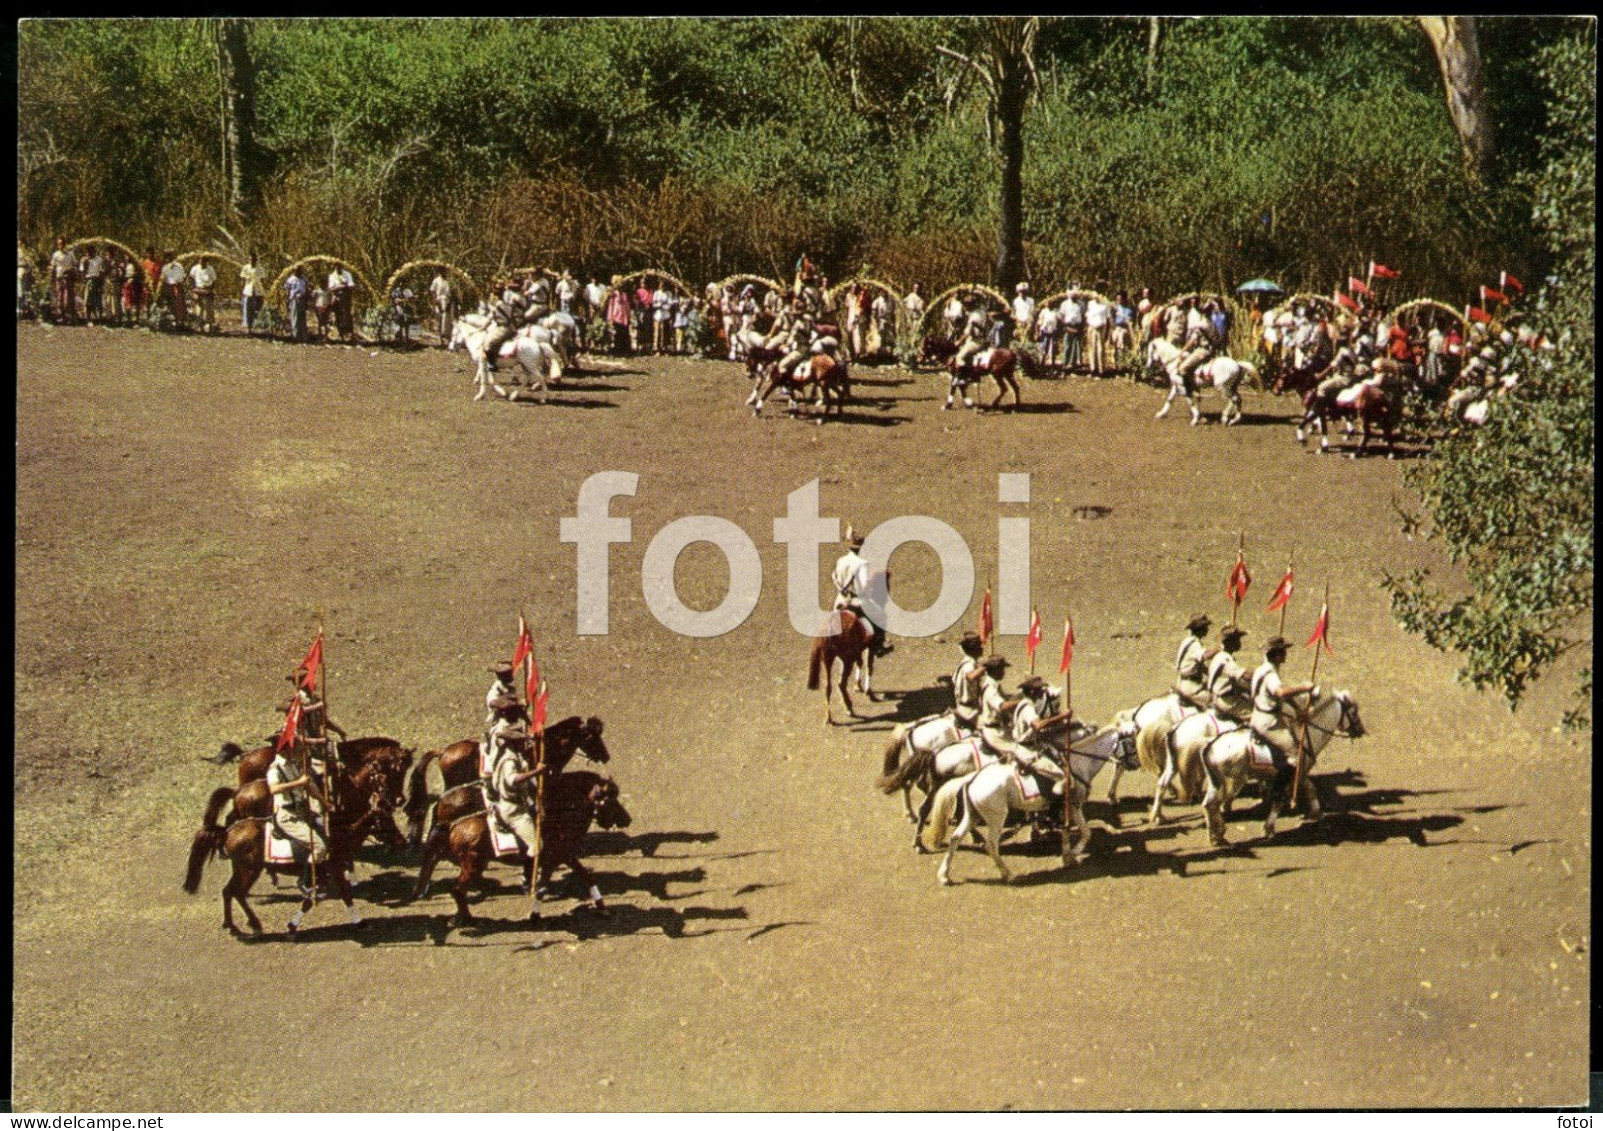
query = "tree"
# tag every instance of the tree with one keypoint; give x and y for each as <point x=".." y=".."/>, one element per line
<point x="1002" y="56"/>
<point x="1512" y="501"/>
<point x="1458" y="55"/>
<point x="236" y="102"/>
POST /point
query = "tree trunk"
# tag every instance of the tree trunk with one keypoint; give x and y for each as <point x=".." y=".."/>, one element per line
<point x="1154" y="29"/>
<point x="1459" y="57"/>
<point x="236" y="88"/>
<point x="1011" y="97"/>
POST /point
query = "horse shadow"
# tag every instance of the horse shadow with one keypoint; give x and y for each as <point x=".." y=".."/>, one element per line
<point x="626" y="919"/>
<point x="591" y="387"/>
<point x="850" y="416"/>
<point x="614" y="843"/>
<point x="882" y="382"/>
<point x="557" y="400"/>
<point x="1030" y="408"/>
<point x="918" y="703"/>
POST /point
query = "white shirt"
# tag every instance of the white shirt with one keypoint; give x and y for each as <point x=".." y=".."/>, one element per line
<point x="202" y="276"/>
<point x="440" y="290"/>
<point x="597" y="294"/>
<point x="850" y="578"/>
<point x="251" y="277"/>
<point x="1096" y="314"/>
<point x="339" y="280"/>
<point x="915" y="307"/>
<point x="173" y="273"/>
<point x="1023" y="310"/>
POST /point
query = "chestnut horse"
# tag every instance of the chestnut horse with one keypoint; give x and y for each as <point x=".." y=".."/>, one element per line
<point x="352" y="753"/>
<point x="357" y="812"/>
<point x="1371" y="403"/>
<point x="461" y="832"/>
<point x="999" y="362"/>
<point x="826" y="374"/>
<point x="459" y="764"/>
<point x="847" y="637"/>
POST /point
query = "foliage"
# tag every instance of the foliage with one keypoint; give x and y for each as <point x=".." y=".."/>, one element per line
<point x="1512" y="501"/>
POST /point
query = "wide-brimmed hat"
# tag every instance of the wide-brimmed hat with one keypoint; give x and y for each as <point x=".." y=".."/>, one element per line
<point x="1276" y="644"/>
<point x="971" y="640"/>
<point x="995" y="663"/>
<point x="1232" y="633"/>
<point x="504" y="703"/>
<point x="853" y="539"/>
<point x="502" y="668"/>
<point x="1199" y="623"/>
<point x="1033" y="683"/>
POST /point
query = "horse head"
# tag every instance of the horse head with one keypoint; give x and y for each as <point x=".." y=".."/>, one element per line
<point x="590" y="743"/>
<point x="1350" y="724"/>
<point x="608" y="811"/>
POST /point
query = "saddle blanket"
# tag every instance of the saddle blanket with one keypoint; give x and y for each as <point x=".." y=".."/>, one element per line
<point x="1260" y="758"/>
<point x="484" y="761"/>
<point x="982" y="359"/>
<point x="502" y="841"/>
<point x="278" y="847"/>
<point x="1349" y="397"/>
<point x="1029" y="788"/>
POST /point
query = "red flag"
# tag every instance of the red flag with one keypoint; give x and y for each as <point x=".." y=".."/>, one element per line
<point x="1322" y="630"/>
<point x="987" y="625"/>
<point x="1381" y="271"/>
<point x="313" y="661"/>
<point x="1282" y="593"/>
<point x="523" y="653"/>
<point x="1493" y="295"/>
<point x="1343" y="300"/>
<point x="1508" y="282"/>
<point x="1476" y="314"/>
<point x="538" y="722"/>
<point x="1068" y="645"/>
<point x="292" y="722"/>
<point x="1358" y="286"/>
<point x="1033" y="640"/>
<point x="1236" y="587"/>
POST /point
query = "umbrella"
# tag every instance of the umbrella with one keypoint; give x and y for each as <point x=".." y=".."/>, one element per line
<point x="1265" y="286"/>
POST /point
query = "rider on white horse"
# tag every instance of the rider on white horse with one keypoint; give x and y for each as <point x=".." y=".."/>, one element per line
<point x="1199" y="344"/>
<point x="976" y="335"/>
<point x="798" y="340"/>
<point x="1269" y="699"/>
<point x="1229" y="685"/>
<point x="1190" y="664"/>
<point x="966" y="682"/>
<point x="506" y="315"/>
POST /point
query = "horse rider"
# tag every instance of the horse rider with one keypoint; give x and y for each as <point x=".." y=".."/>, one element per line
<point x="853" y="580"/>
<point x="1269" y="699"/>
<point x="508" y="790"/>
<point x="315" y="722"/>
<point x="296" y="801"/>
<point x="1035" y="711"/>
<point x="504" y="687"/>
<point x="1229" y="685"/>
<point x="990" y="691"/>
<point x="976" y="335"/>
<point x="966" y="682"/>
<point x="1345" y="370"/>
<point x="798" y="340"/>
<point x="539" y="296"/>
<point x="506" y="315"/>
<point x="1190" y="664"/>
<point x="507" y="715"/>
<point x="1199" y="347"/>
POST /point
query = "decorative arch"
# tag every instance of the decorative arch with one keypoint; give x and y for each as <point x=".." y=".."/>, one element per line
<point x="450" y="269"/>
<point x="904" y="328"/>
<point x="1414" y="308"/>
<point x="361" y="280"/>
<point x="658" y="272"/>
<point x="1331" y="308"/>
<point x="230" y="278"/>
<point x="118" y="244"/>
<point x="937" y="303"/>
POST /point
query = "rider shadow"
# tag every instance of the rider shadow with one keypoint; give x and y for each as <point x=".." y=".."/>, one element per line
<point x="1259" y="420"/>
<point x="610" y="842"/>
<point x="654" y="884"/>
<point x="557" y="400"/>
<point x="882" y="382"/>
<point x="593" y="387"/>
<point x="848" y="416"/>
<point x="626" y="919"/>
<point x="916" y="704"/>
<point x="1032" y="408"/>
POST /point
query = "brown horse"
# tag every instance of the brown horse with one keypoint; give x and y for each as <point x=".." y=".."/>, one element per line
<point x="253" y="765"/>
<point x="1000" y="364"/>
<point x="825" y="374"/>
<point x="572" y="801"/>
<point x="459" y="764"/>
<point x="1379" y="405"/>
<point x="848" y="638"/>
<point x="356" y="813"/>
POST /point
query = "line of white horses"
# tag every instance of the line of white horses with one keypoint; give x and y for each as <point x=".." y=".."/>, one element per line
<point x="1200" y="755"/>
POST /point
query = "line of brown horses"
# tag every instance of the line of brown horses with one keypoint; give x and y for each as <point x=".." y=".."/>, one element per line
<point x="374" y="777"/>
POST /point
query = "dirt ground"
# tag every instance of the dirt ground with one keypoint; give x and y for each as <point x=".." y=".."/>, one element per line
<point x="186" y="507"/>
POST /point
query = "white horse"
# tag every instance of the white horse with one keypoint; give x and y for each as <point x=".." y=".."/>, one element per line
<point x="535" y="357"/>
<point x="988" y="795"/>
<point x="1227" y="761"/>
<point x="564" y="332"/>
<point x="1153" y="720"/>
<point x="1223" y="373"/>
<point x="1183" y="746"/>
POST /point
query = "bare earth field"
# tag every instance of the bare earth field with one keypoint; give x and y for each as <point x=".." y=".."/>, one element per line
<point x="185" y="507"/>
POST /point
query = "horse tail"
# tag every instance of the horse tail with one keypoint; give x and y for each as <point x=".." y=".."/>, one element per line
<point x="947" y="799"/>
<point x="920" y="762"/>
<point x="815" y="663"/>
<point x="231" y="752"/>
<point x="1149" y="746"/>
<point x="893" y="750"/>
<point x="208" y="841"/>
<point x="1031" y="367"/>
<point x="417" y="792"/>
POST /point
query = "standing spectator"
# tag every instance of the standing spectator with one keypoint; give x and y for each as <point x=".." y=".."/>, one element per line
<point x="94" y="273"/>
<point x="172" y="290"/>
<point x="618" y="319"/>
<point x="295" y="300"/>
<point x="567" y="292"/>
<point x="115" y="264"/>
<point x="1023" y="311"/>
<point x="883" y="323"/>
<point x="1097" y="316"/>
<point x="1144" y="307"/>
<point x="443" y="296"/>
<point x="1047" y="326"/>
<point x="320" y="310"/>
<point x="595" y="296"/>
<point x="954" y="315"/>
<point x="1121" y="343"/>
<point x="681" y="322"/>
<point x="1220" y="318"/>
<point x="662" y="303"/>
<point x="401" y="297"/>
<point x="341" y="294"/>
<point x="24" y="282"/>
<point x="203" y="278"/>
<point x="913" y="303"/>
<point x="251" y="293"/>
<point x="64" y="283"/>
<point x="642" y="315"/>
<point x="151" y="266"/>
<point x="1073" y="318"/>
<point x="1435" y="355"/>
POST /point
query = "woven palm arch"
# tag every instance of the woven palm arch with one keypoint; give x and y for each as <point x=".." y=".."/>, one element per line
<point x="1331" y="308"/>
<point x="1241" y="341"/>
<point x="904" y="331"/>
<point x="227" y="281"/>
<point x="1409" y="312"/>
<point x="451" y="270"/>
<point x="105" y="241"/>
<point x="656" y="273"/>
<point x="1057" y="299"/>
<point x="738" y="281"/>
<point x="938" y="303"/>
<point x="307" y="260"/>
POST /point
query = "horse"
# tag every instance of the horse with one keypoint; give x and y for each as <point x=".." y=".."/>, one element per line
<point x="1153" y="719"/>
<point x="936" y="350"/>
<point x="563" y="330"/>
<point x="987" y="796"/>
<point x="827" y="375"/>
<point x="572" y="802"/>
<point x="921" y="741"/>
<point x="1222" y="373"/>
<point x="999" y="363"/>
<point x="536" y="358"/>
<point x="357" y="811"/>
<point x="1183" y="744"/>
<point x="847" y="637"/>
<point x="459" y="764"/>
<point x="351" y="752"/>
<point x="1378" y="401"/>
<point x="1227" y="761"/>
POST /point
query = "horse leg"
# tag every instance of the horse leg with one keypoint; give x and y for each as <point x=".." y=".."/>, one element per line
<point x="343" y="890"/>
<point x="582" y="874"/>
<point x="1165" y="778"/>
<point x="1168" y="401"/>
<point x="944" y="872"/>
<point x="992" y="833"/>
<point x="472" y="868"/>
<point x="1212" y="803"/>
<point x="431" y="857"/>
<point x="829" y="675"/>
<point x="1310" y="797"/>
<point x="846" y="667"/>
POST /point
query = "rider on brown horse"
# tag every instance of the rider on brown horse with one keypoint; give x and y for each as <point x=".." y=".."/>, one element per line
<point x="854" y="583"/>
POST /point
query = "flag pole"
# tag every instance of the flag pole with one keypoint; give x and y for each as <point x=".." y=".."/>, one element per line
<point x="1302" y="737"/>
<point x="539" y="810"/>
<point x="1035" y="619"/>
<point x="1291" y="561"/>
<point x="1068" y="741"/>
<point x="1235" y="587"/>
<point x="328" y="764"/>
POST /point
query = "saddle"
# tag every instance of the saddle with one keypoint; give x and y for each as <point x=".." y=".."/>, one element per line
<point x="1347" y="398"/>
<point x="1260" y="757"/>
<point x="278" y="848"/>
<point x="982" y="360"/>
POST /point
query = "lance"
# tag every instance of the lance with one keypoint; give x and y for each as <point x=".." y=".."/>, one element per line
<point x="1291" y="561"/>
<point x="1302" y="737"/>
<point x="539" y="807"/>
<point x="1235" y="586"/>
<point x="1068" y="738"/>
